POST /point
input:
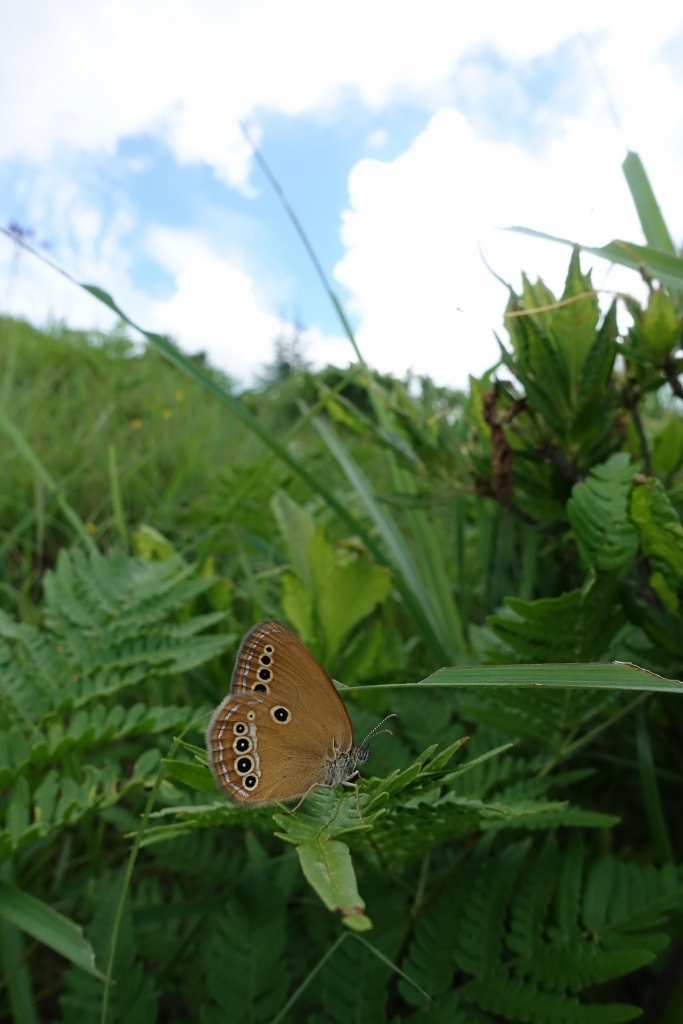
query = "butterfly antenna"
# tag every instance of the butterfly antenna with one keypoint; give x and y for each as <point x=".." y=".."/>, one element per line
<point x="377" y="731"/>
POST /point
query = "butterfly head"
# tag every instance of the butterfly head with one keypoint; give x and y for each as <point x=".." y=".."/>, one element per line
<point x="343" y="767"/>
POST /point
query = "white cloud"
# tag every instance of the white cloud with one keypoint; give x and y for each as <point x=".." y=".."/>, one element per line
<point x="80" y="76"/>
<point x="214" y="307"/>
<point x="415" y="226"/>
<point x="88" y="73"/>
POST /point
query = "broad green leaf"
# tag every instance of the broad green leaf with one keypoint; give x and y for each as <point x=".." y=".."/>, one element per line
<point x="325" y="861"/>
<point x="542" y="369"/>
<point x="667" y="451"/>
<point x="347" y="596"/>
<point x="42" y="922"/>
<point x="599" y="362"/>
<point x="574" y="324"/>
<point x="328" y="869"/>
<point x="297" y="527"/>
<point x="660" y="328"/>
<point x="598" y="512"/>
<point x="661" y="533"/>
<point x="297" y="605"/>
<point x="151" y="545"/>
<point x="321" y="556"/>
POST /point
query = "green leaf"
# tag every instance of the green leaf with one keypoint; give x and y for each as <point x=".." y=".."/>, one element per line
<point x="573" y="325"/>
<point x="661" y="533"/>
<point x="520" y="1001"/>
<point x="598" y="512"/>
<point x="325" y="861"/>
<point x="649" y="213"/>
<point x="666" y="268"/>
<point x="617" y="676"/>
<point x="660" y="326"/>
<point x="152" y="545"/>
<point x="347" y="596"/>
<point x="297" y="527"/>
<point x="328" y="869"/>
<point x="19" y="809"/>
<point x="416" y="595"/>
<point x="297" y="606"/>
<point x="42" y="922"/>
<point x="667" y="452"/>
<point x="573" y="627"/>
<point x="196" y="776"/>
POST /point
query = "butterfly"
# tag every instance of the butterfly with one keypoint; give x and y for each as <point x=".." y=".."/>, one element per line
<point x="283" y="729"/>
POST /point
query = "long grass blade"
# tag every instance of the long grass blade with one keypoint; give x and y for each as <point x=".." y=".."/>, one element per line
<point x="665" y="268"/>
<point x="15" y="970"/>
<point x="42" y="922"/>
<point x="412" y="587"/>
<point x="651" y="795"/>
<point x="42" y="474"/>
<point x="590" y="676"/>
<point x="649" y="212"/>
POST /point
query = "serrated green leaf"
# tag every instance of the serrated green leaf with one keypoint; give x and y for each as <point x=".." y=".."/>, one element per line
<point x="660" y="327"/>
<point x="598" y="512"/>
<point x="661" y="533"/>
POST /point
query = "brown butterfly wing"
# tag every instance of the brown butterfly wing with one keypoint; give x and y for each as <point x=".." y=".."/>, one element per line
<point x="282" y="721"/>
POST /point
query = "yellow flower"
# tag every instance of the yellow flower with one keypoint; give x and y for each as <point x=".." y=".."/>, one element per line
<point x="166" y="414"/>
<point x="136" y="423"/>
<point x="91" y="528"/>
<point x="180" y="396"/>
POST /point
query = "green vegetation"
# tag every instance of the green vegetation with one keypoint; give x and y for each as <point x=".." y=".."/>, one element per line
<point x="519" y="852"/>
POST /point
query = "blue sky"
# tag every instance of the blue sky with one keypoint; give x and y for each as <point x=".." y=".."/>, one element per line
<point x="404" y="137"/>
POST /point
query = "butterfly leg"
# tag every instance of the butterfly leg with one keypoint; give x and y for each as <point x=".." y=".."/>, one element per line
<point x="354" y="785"/>
<point x="316" y="785"/>
<point x="322" y="785"/>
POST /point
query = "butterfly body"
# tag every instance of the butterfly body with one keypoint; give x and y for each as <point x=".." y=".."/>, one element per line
<point x="283" y="728"/>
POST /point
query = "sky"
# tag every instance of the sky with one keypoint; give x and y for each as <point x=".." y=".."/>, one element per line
<point x="407" y="137"/>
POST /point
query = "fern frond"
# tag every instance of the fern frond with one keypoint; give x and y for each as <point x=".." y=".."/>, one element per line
<point x="534" y="893"/>
<point x="577" y="626"/>
<point x="246" y="974"/>
<point x="546" y="715"/>
<point x="565" y="934"/>
<point x="431" y="955"/>
<point x="355" y="985"/>
<point x="516" y="1000"/>
<point x="480" y="935"/>
<point x="598" y="512"/>
<point x="132" y="994"/>
<point x="31" y="671"/>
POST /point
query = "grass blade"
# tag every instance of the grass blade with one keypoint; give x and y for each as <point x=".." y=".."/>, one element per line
<point x="665" y="268"/>
<point x="42" y="922"/>
<point x="619" y="675"/>
<point x="53" y="489"/>
<point x="412" y="587"/>
<point x="651" y="795"/>
<point x="649" y="213"/>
